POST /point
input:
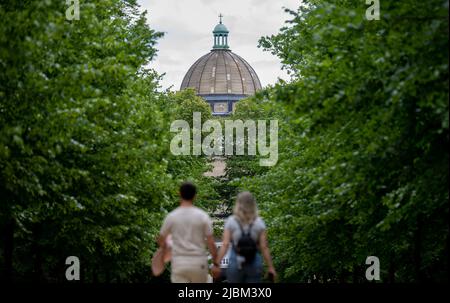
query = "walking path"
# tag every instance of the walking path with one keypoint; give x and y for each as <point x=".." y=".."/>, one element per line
<point x="219" y="166"/>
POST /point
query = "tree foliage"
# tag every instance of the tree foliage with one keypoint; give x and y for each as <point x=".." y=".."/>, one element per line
<point x="363" y="166"/>
<point x="86" y="168"/>
<point x="85" y="165"/>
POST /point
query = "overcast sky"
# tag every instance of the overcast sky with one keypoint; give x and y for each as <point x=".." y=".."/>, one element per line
<point x="188" y="26"/>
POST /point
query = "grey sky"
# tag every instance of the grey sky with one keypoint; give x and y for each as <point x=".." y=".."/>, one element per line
<point x="188" y="26"/>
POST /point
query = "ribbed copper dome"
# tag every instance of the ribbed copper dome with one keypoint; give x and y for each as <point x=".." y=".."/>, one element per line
<point x="221" y="72"/>
<point x="221" y="77"/>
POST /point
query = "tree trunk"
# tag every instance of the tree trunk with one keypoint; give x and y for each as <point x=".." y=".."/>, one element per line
<point x="417" y="250"/>
<point x="37" y="251"/>
<point x="391" y="272"/>
<point x="8" y="247"/>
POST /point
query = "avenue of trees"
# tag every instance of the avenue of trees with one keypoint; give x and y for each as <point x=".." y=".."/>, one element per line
<point x="85" y="165"/>
<point x="86" y="168"/>
<point x="363" y="168"/>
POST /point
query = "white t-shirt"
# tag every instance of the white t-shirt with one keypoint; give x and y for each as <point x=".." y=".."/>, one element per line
<point x="189" y="226"/>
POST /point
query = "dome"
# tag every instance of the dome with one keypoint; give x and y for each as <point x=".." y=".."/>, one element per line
<point x="220" y="28"/>
<point x="222" y="77"/>
<point x="222" y="72"/>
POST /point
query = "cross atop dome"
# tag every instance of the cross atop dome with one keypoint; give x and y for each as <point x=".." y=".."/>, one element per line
<point x="220" y="35"/>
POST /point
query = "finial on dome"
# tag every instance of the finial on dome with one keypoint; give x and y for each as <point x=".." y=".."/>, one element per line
<point x="220" y="35"/>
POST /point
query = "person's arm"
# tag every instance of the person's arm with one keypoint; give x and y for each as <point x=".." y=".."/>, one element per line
<point x="266" y="253"/>
<point x="208" y="230"/>
<point x="211" y="246"/>
<point x="225" y="242"/>
<point x="164" y="232"/>
<point x="162" y="241"/>
<point x="223" y="250"/>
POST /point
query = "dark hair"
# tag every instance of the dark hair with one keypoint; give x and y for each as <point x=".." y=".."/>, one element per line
<point x="188" y="190"/>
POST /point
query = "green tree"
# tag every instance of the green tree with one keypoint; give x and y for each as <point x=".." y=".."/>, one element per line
<point x="84" y="148"/>
<point x="363" y="166"/>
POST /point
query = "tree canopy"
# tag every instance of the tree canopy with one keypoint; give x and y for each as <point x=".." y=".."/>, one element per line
<point x="86" y="168"/>
<point x="363" y="168"/>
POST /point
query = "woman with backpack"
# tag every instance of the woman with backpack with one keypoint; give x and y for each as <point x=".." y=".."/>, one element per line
<point x="246" y="232"/>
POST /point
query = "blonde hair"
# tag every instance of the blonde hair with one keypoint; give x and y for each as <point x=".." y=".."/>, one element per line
<point x="245" y="208"/>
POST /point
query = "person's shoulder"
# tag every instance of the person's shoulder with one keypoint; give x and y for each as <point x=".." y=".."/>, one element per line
<point x="173" y="213"/>
<point x="231" y="220"/>
<point x="200" y="212"/>
<point x="260" y="222"/>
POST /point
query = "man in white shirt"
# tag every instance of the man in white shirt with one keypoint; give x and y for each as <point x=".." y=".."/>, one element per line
<point x="191" y="228"/>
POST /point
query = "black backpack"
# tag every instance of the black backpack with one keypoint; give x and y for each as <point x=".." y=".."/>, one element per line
<point x="246" y="246"/>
